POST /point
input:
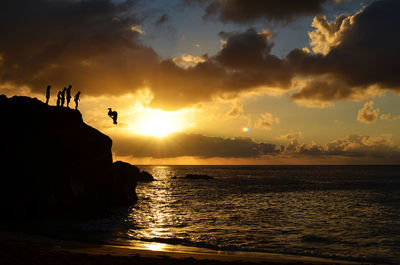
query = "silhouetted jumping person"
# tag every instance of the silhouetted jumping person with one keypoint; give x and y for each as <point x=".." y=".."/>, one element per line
<point x="59" y="98"/>
<point x="76" y="99"/>
<point x="48" y="94"/>
<point x="113" y="115"/>
<point x="63" y="97"/>
<point x="68" y="95"/>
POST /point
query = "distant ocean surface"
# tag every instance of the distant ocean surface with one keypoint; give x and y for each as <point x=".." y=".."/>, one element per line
<point x="339" y="212"/>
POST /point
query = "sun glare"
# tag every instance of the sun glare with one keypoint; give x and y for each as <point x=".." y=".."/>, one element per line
<point x="158" y="123"/>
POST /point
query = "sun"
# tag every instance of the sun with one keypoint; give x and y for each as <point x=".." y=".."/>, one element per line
<point x="157" y="123"/>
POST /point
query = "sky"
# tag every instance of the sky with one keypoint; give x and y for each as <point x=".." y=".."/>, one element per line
<point x="217" y="81"/>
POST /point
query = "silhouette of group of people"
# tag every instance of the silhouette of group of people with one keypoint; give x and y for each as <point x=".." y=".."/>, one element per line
<point x="65" y="94"/>
<point x="62" y="95"/>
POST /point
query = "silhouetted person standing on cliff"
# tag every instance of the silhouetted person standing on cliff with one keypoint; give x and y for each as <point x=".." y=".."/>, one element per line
<point x="59" y="98"/>
<point x="68" y="95"/>
<point x="63" y="97"/>
<point x="113" y="115"/>
<point x="76" y="99"/>
<point x="48" y="94"/>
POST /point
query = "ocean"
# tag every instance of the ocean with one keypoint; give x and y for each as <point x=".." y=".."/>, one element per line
<point x="337" y="212"/>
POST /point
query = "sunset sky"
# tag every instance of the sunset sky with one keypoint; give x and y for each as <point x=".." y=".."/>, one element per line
<point x="217" y="81"/>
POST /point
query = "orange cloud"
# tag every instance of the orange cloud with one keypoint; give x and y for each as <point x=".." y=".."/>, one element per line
<point x="266" y="121"/>
<point x="358" y="147"/>
<point x="385" y="116"/>
<point x="187" y="60"/>
<point x="236" y="110"/>
<point x="328" y="35"/>
<point x="367" y="114"/>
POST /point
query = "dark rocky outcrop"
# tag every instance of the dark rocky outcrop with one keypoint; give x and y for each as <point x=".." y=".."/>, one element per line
<point x="145" y="176"/>
<point x="197" y="176"/>
<point x="126" y="169"/>
<point x="53" y="164"/>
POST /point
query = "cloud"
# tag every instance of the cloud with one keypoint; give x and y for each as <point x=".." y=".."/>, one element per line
<point x="354" y="146"/>
<point x="197" y="145"/>
<point x="91" y="45"/>
<point x="351" y="146"/>
<point x="247" y="57"/>
<point x="266" y="121"/>
<point x="290" y="136"/>
<point x="363" y="146"/>
<point x="244" y="64"/>
<point x="389" y="117"/>
<point x="95" y="46"/>
<point x="138" y="30"/>
<point x="244" y="11"/>
<point x="236" y="110"/>
<point x="328" y="34"/>
<point x="386" y="116"/>
<point x="367" y="114"/>
<point x="355" y="55"/>
<point x="321" y="91"/>
<point x="353" y="60"/>
<point x="187" y="60"/>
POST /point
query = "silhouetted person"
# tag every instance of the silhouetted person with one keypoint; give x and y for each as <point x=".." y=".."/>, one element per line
<point x="76" y="99"/>
<point x="63" y="97"/>
<point x="113" y="115"/>
<point x="48" y="94"/>
<point x="59" y="98"/>
<point x="68" y="95"/>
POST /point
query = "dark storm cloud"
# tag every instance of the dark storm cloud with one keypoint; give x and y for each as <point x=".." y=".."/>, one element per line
<point x="354" y="53"/>
<point x="245" y="62"/>
<point x="94" y="45"/>
<point x="249" y="54"/>
<point x="196" y="145"/>
<point x="89" y="44"/>
<point x="245" y="11"/>
<point x="191" y="145"/>
<point x="355" y="57"/>
<point x="325" y="89"/>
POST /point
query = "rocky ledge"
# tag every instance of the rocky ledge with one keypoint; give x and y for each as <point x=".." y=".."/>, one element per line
<point x="53" y="164"/>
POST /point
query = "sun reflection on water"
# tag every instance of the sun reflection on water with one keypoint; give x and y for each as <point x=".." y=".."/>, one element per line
<point x="159" y="219"/>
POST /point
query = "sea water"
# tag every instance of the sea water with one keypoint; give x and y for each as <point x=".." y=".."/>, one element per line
<point x="339" y="212"/>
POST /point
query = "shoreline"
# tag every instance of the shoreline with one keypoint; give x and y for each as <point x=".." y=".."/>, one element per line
<point x="36" y="247"/>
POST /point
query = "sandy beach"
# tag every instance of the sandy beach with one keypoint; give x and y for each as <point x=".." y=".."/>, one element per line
<point x="19" y="248"/>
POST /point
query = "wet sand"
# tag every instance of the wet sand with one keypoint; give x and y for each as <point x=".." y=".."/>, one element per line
<point x="17" y="248"/>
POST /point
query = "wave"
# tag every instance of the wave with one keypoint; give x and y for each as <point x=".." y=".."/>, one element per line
<point x="202" y="246"/>
<point x="317" y="239"/>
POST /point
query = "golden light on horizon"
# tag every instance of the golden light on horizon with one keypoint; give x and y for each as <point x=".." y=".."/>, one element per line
<point x="155" y="246"/>
<point x="159" y="123"/>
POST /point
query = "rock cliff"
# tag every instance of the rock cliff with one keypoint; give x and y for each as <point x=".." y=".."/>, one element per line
<point x="53" y="164"/>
